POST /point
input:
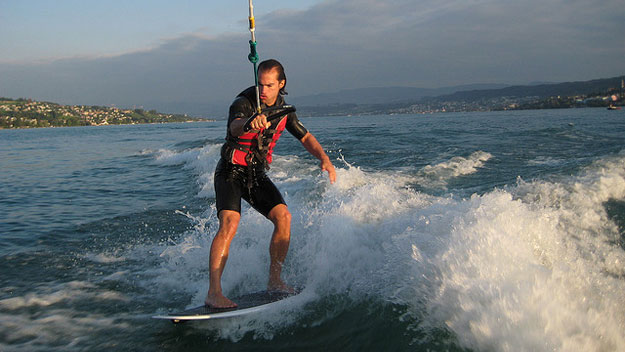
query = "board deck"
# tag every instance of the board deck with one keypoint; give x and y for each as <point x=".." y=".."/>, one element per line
<point x="247" y="303"/>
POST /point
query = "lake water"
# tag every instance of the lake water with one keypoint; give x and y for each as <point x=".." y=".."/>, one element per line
<point x="494" y="231"/>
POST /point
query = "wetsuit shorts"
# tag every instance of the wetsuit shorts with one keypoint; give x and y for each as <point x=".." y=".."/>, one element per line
<point x="231" y="184"/>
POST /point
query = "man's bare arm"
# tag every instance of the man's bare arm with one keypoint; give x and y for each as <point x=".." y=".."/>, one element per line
<point x="314" y="148"/>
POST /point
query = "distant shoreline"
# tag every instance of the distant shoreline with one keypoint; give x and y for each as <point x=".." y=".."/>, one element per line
<point x="26" y="113"/>
<point x="109" y="125"/>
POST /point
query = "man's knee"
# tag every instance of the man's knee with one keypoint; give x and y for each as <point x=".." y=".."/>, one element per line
<point x="229" y="220"/>
<point x="280" y="215"/>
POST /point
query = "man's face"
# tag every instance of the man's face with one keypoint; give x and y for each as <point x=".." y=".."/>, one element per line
<point x="269" y="86"/>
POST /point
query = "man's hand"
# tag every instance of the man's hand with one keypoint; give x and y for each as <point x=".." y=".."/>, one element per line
<point x="260" y="122"/>
<point x="313" y="147"/>
<point x="326" y="165"/>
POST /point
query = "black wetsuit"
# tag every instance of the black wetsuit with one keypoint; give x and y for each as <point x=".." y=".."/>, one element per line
<point x="233" y="182"/>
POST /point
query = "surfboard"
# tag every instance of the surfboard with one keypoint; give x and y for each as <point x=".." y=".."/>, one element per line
<point x="246" y="304"/>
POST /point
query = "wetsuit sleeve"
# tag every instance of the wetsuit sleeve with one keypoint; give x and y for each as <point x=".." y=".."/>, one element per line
<point x="240" y="107"/>
<point x="295" y="127"/>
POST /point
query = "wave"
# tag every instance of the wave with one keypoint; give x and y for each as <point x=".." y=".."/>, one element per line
<point x="47" y="317"/>
<point x="437" y="176"/>
<point x="201" y="160"/>
<point x="534" y="266"/>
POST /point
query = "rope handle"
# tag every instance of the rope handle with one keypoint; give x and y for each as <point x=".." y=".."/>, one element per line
<point x="274" y="113"/>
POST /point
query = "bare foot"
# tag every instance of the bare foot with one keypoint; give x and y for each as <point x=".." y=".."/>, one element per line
<point x="280" y="286"/>
<point x="219" y="301"/>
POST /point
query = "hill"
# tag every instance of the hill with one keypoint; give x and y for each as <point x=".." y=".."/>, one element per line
<point x="383" y="95"/>
<point x="596" y="86"/>
<point x="25" y="113"/>
<point x="462" y="98"/>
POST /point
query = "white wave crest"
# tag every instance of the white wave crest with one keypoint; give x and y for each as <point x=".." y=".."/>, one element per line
<point x="535" y="269"/>
<point x="46" y="318"/>
<point x="202" y="161"/>
<point x="70" y="291"/>
<point x="438" y="175"/>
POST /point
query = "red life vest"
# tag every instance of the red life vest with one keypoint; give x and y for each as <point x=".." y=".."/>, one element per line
<point x="256" y="147"/>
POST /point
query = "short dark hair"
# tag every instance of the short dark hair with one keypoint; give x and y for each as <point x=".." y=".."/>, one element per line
<point x="270" y="64"/>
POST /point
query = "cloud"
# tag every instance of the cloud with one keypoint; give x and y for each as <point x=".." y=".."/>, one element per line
<point x="434" y="43"/>
<point x="185" y="70"/>
<point x="349" y="44"/>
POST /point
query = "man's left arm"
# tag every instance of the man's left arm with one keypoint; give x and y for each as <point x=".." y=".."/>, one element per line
<point x="313" y="147"/>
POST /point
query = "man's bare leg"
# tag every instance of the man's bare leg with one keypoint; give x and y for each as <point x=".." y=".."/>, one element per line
<point x="228" y="223"/>
<point x="281" y="218"/>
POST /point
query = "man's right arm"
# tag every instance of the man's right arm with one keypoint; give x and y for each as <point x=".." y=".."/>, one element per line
<point x="240" y="111"/>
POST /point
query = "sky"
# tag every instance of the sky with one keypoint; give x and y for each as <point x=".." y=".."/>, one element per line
<point x="190" y="56"/>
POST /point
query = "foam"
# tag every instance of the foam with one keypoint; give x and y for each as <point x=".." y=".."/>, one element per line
<point x="338" y="239"/>
<point x="202" y="161"/>
<point x="60" y="328"/>
<point x="71" y="291"/>
<point x="532" y="267"/>
<point x="104" y="258"/>
<point x="46" y="317"/>
<point x="437" y="176"/>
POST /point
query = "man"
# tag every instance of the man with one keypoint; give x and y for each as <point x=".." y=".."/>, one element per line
<point x="241" y="174"/>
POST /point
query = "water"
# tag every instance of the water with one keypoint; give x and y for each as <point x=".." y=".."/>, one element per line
<point x="499" y="231"/>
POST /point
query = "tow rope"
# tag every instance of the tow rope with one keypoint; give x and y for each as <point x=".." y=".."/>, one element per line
<point x="253" y="56"/>
<point x="277" y="111"/>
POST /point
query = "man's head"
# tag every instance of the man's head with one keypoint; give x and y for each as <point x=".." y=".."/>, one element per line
<point x="271" y="81"/>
